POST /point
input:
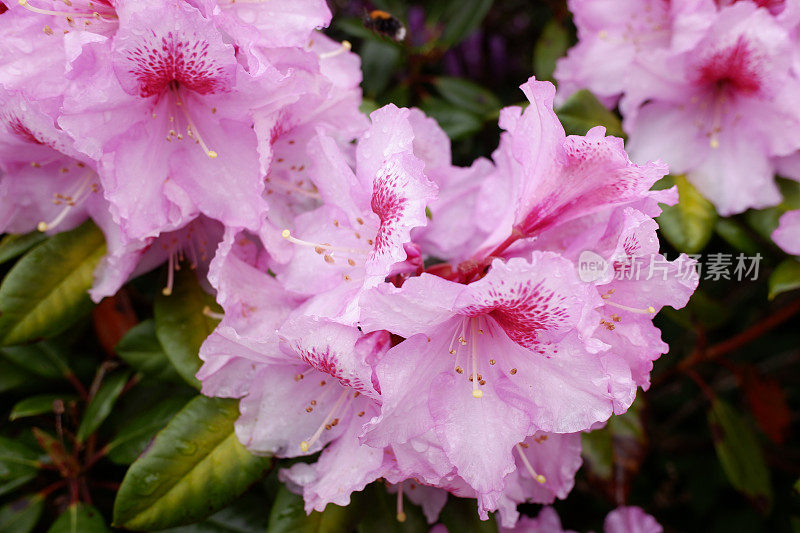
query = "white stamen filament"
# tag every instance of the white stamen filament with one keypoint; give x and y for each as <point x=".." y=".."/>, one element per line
<point x="29" y="7"/>
<point x="286" y="234"/>
<point x="401" y="516"/>
<point x="293" y="188"/>
<point x="345" y="47"/>
<point x="212" y="314"/>
<point x="167" y="291"/>
<point x="476" y="391"/>
<point x="649" y="311"/>
<point x="306" y="444"/>
<point x="70" y="202"/>
<point x="529" y="467"/>
<point x="192" y="130"/>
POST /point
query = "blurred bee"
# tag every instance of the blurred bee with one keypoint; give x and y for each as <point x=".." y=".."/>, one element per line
<point x="385" y="24"/>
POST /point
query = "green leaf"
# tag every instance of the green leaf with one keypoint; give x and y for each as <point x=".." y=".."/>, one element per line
<point x="37" y="405"/>
<point x="379" y="61"/>
<point x="740" y="454"/>
<point x="461" y="514"/>
<point x="738" y="236"/>
<point x="43" y="359"/>
<point x="45" y="292"/>
<point x="455" y="121"/>
<point x="463" y="18"/>
<point x="467" y="95"/>
<point x="552" y="45"/>
<point x="582" y="112"/>
<point x="245" y="515"/>
<point x="181" y="326"/>
<point x="289" y="516"/>
<point x="785" y="278"/>
<point x="689" y="225"/>
<point x="140" y="349"/>
<point x="764" y="221"/>
<point x="101" y="405"/>
<point x="12" y="246"/>
<point x="21" y="516"/>
<point x="12" y="376"/>
<point x="137" y="432"/>
<point x="18" y="464"/>
<point x="79" y="518"/>
<point x="194" y="467"/>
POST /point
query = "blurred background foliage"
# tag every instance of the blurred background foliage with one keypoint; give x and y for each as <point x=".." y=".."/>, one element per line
<point x="712" y="446"/>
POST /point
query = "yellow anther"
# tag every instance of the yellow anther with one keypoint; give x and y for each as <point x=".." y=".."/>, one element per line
<point x="304" y="446"/>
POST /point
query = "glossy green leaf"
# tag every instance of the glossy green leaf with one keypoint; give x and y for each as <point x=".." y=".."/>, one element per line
<point x="45" y="292"/>
<point x="247" y="514"/>
<point x="101" y="405"/>
<point x="738" y="236"/>
<point x="18" y="464"/>
<point x="181" y="327"/>
<point x="583" y="111"/>
<point x="194" y="467"/>
<point x="79" y="518"/>
<point x="44" y="359"/>
<point x="21" y="515"/>
<point x="689" y="225"/>
<point x="785" y="278"/>
<point x="461" y="514"/>
<point x="289" y="516"/>
<point x="467" y="95"/>
<point x="462" y="19"/>
<point x="455" y="121"/>
<point x="12" y="246"/>
<point x="138" y="431"/>
<point x="37" y="405"/>
<point x="552" y="45"/>
<point x="740" y="453"/>
<point x="140" y="349"/>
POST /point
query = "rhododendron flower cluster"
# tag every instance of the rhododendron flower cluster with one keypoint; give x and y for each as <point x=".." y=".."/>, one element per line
<point x="711" y="87"/>
<point x="386" y="312"/>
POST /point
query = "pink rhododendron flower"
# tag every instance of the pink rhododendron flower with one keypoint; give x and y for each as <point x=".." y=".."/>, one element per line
<point x="174" y="112"/>
<point x="721" y="111"/>
<point x="45" y="183"/>
<point x="357" y="237"/>
<point x="629" y="519"/>
<point x="549" y="178"/>
<point x="547" y="521"/>
<point x="498" y="350"/>
<point x="616" y="35"/>
<point x="787" y="236"/>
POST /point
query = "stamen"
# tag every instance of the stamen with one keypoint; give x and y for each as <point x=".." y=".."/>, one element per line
<point x="306" y="444"/>
<point x="70" y="201"/>
<point x="401" y="516"/>
<point x="649" y="311"/>
<point x="167" y="291"/>
<point x="293" y="188"/>
<point x="192" y="129"/>
<point x="476" y="392"/>
<point x="29" y="7"/>
<point x="211" y="314"/>
<point x="286" y="234"/>
<point x="346" y="47"/>
<point x="529" y="467"/>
